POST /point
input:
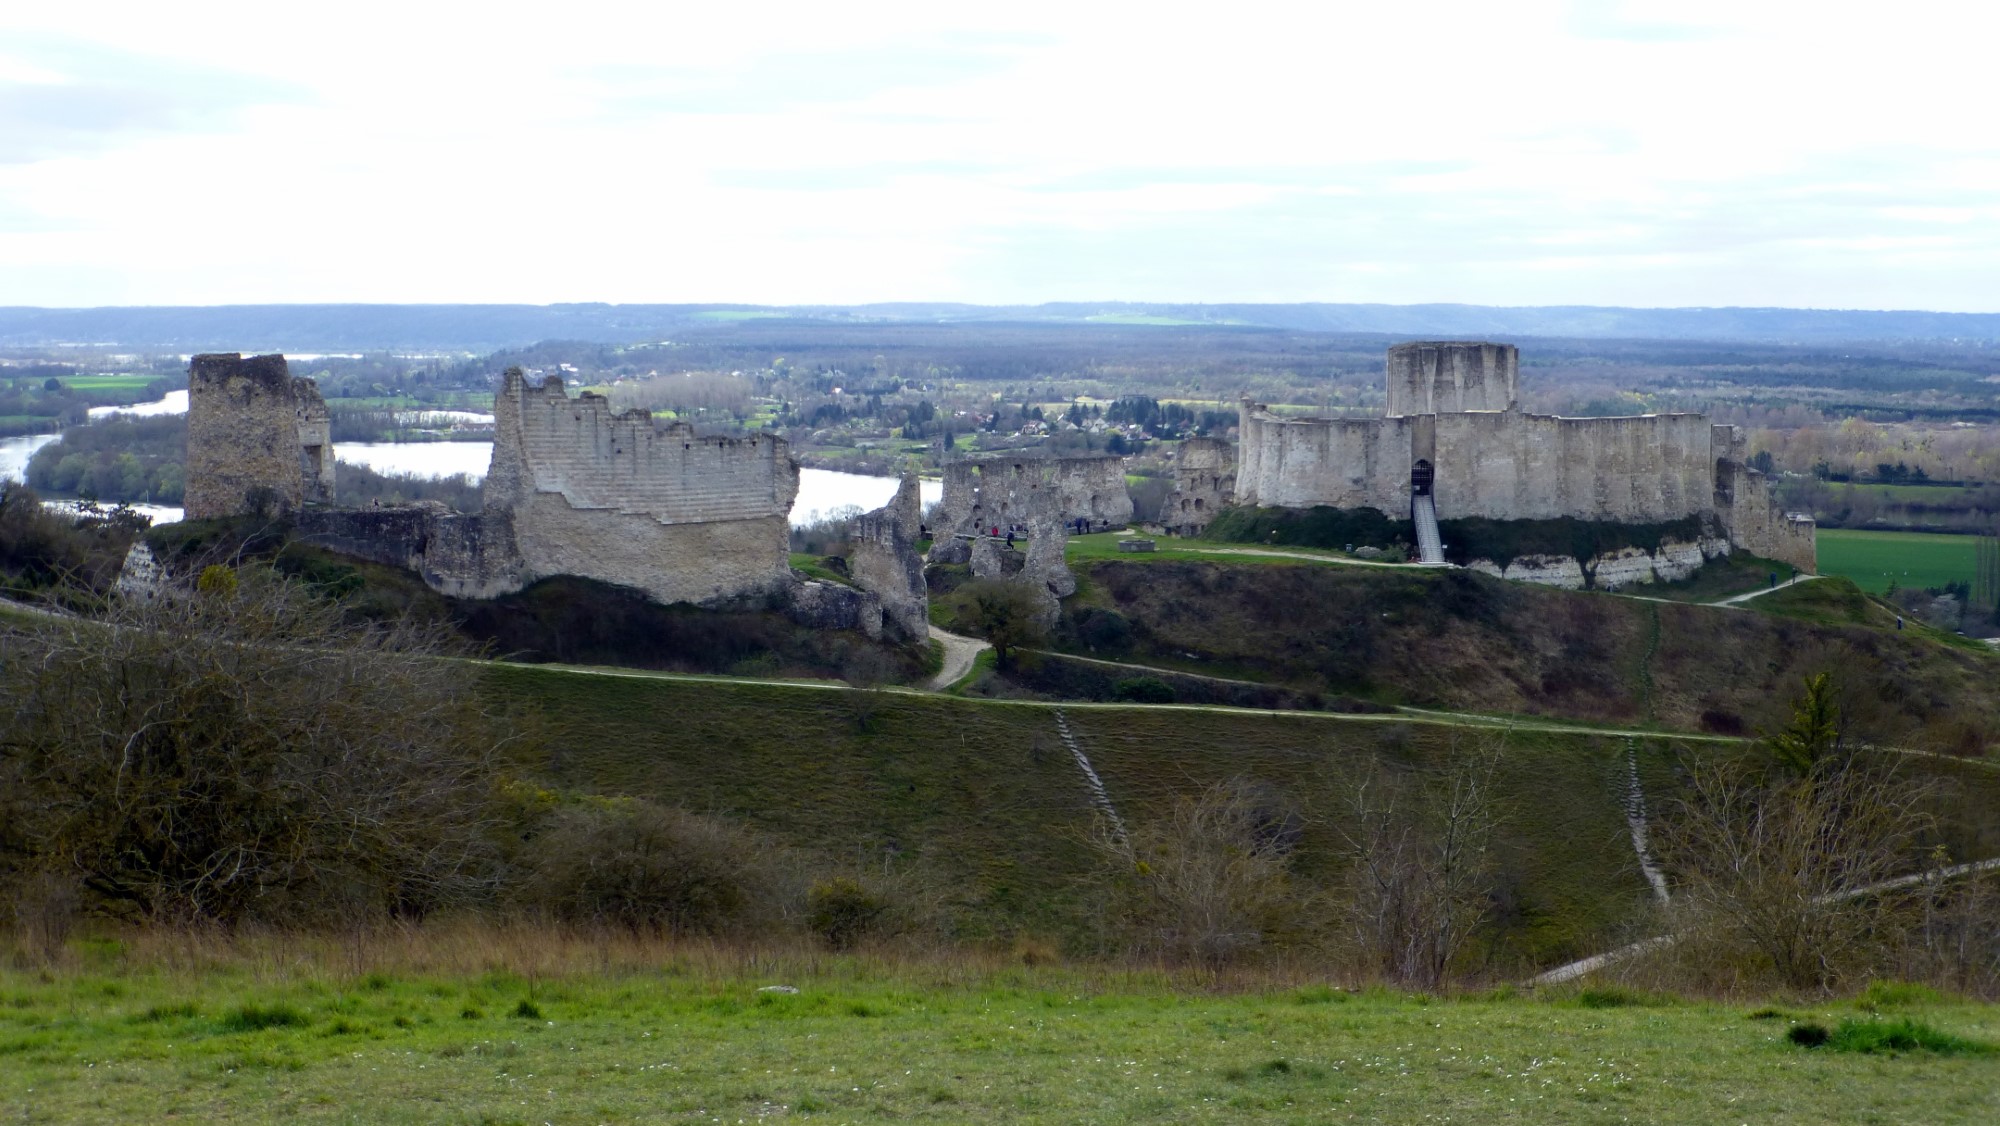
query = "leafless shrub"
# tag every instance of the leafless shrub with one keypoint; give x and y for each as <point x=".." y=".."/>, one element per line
<point x="1778" y="875"/>
<point x="1209" y="882"/>
<point x="1420" y="865"/>
<point x="244" y="753"/>
<point x="1955" y="943"/>
<point x="46" y="906"/>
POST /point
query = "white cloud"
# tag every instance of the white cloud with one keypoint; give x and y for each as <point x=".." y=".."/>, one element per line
<point x="1684" y="153"/>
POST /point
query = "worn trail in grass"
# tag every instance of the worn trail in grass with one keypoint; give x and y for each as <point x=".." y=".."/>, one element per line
<point x="863" y="1044"/>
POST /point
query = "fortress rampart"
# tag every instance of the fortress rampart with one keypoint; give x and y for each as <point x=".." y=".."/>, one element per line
<point x="1033" y="489"/>
<point x="884" y="560"/>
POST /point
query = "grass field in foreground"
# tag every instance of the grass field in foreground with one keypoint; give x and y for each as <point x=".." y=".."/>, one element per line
<point x="1909" y="559"/>
<point x="649" y="1036"/>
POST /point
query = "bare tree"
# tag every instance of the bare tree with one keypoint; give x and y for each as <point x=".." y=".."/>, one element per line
<point x="242" y="751"/>
<point x="1779" y="869"/>
<point x="1420" y="867"/>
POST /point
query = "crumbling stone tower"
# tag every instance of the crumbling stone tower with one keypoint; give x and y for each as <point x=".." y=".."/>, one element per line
<point x="259" y="440"/>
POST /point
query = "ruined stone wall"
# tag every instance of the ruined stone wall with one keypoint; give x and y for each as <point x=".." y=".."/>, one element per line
<point x="1030" y="486"/>
<point x="1343" y="462"/>
<point x="315" y="441"/>
<point x="884" y="560"/>
<point x="1512" y="466"/>
<point x="1204" y="482"/>
<point x="460" y="554"/>
<point x="596" y="458"/>
<point x="604" y="495"/>
<point x="258" y="438"/>
<point x="1446" y="376"/>
<point x="1747" y="502"/>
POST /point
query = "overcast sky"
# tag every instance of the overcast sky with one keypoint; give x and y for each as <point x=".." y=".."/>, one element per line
<point x="1658" y="154"/>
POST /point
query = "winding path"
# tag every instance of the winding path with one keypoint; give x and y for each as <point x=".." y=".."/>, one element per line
<point x="959" y="653"/>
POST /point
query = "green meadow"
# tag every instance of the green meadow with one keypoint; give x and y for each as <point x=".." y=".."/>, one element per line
<point x="522" y="1026"/>
<point x="1874" y="560"/>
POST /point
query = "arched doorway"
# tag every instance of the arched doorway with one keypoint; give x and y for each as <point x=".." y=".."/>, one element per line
<point x="1421" y="477"/>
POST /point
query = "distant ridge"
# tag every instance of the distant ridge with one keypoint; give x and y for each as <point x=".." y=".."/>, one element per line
<point x="483" y="328"/>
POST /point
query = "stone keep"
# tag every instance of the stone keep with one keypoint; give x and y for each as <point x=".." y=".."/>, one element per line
<point x="1452" y="428"/>
<point x="1447" y="376"/>
<point x="258" y="438"/>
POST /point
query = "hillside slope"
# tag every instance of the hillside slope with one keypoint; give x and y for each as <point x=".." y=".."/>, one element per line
<point x="981" y="800"/>
<point x="1460" y="640"/>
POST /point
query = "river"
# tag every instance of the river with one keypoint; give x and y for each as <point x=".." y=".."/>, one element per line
<point x="822" y="492"/>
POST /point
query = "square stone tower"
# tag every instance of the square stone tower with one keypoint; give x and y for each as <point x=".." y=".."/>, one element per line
<point x="1450" y="376"/>
<point x="258" y="439"/>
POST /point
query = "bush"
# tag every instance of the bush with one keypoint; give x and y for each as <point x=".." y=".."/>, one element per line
<point x="1009" y="615"/>
<point x="842" y="911"/>
<point x="1878" y="1036"/>
<point x="244" y="755"/>
<point x="636" y="864"/>
<point x="257" y="1018"/>
<point x="41" y="548"/>
<point x="1144" y="690"/>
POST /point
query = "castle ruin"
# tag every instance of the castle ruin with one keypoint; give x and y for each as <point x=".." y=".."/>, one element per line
<point x="259" y="438"/>
<point x="573" y="488"/>
<point x="1454" y="441"/>
<point x="1036" y="493"/>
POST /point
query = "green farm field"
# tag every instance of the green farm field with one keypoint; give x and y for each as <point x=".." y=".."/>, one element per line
<point x="1908" y="559"/>
<point x="520" y="1026"/>
<point x="101" y="383"/>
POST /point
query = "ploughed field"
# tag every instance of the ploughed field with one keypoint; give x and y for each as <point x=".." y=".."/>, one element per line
<point x="528" y="1027"/>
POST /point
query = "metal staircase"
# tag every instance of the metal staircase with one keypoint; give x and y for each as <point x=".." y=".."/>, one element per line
<point x="1430" y="548"/>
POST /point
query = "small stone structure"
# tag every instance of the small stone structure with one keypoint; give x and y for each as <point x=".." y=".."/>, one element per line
<point x="258" y="438"/>
<point x="1204" y="482"/>
<point x="574" y="488"/>
<point x="1453" y="431"/>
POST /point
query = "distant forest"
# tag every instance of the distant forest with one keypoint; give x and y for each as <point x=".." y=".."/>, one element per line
<point x="484" y="328"/>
